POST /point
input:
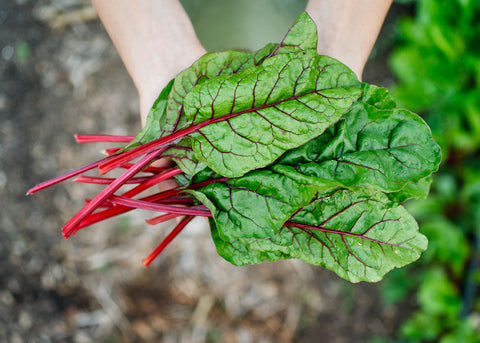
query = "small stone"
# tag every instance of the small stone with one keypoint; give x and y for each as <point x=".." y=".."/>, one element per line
<point x="47" y="280"/>
<point x="7" y="298"/>
<point x="25" y="320"/>
<point x="13" y="286"/>
<point x="7" y="52"/>
<point x="19" y="248"/>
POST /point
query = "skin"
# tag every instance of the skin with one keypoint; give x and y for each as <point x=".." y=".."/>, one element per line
<point x="347" y="30"/>
<point x="156" y="39"/>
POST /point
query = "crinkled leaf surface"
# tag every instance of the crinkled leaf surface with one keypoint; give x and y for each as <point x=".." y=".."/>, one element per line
<point x="237" y="212"/>
<point x="301" y="36"/>
<point x="412" y="190"/>
<point x="183" y="155"/>
<point x="209" y="66"/>
<point x="267" y="110"/>
<point x="256" y="204"/>
<point x="374" y="145"/>
<point x="358" y="235"/>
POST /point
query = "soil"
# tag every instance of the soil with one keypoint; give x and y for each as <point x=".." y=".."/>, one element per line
<point x="61" y="75"/>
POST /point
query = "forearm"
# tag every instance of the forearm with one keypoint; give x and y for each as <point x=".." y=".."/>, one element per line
<point x="155" y="40"/>
<point x="348" y="29"/>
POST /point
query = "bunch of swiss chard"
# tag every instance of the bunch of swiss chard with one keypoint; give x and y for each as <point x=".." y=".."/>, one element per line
<point x="286" y="153"/>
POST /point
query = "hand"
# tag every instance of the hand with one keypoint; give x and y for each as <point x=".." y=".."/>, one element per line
<point x="155" y="40"/>
<point x="347" y="30"/>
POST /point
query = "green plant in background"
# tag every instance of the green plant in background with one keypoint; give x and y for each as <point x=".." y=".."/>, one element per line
<point x="437" y="66"/>
<point x="438" y="70"/>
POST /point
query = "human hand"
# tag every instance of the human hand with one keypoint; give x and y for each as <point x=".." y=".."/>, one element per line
<point x="155" y="40"/>
<point x="347" y="30"/>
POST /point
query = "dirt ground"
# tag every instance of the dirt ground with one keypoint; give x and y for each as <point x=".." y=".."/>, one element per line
<point x="60" y="75"/>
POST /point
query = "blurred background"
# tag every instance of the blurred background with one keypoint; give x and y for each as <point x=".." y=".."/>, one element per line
<point x="60" y="75"/>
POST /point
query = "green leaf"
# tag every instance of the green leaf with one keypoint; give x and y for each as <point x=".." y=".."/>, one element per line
<point x="267" y="110"/>
<point x="301" y="37"/>
<point x="448" y="245"/>
<point x="373" y="145"/>
<point x="358" y="235"/>
<point x="209" y="66"/>
<point x="412" y="190"/>
<point x="437" y="295"/>
<point x="240" y="211"/>
<point x="422" y="327"/>
<point x="183" y="155"/>
<point x="256" y="204"/>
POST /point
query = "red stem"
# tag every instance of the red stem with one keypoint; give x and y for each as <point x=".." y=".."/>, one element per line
<point x="105" y="204"/>
<point x="120" y="209"/>
<point x="149" y="169"/>
<point x="117" y="210"/>
<point x="162" y="218"/>
<point x="107" y="180"/>
<point x="103" y="215"/>
<point x="119" y="159"/>
<point x="71" y="226"/>
<point x="112" y="151"/>
<point x="152" y="181"/>
<point x="66" y="176"/>
<point x="145" y="205"/>
<point x="167" y="241"/>
<point x="168" y="216"/>
<point x="177" y="200"/>
<point x="103" y="139"/>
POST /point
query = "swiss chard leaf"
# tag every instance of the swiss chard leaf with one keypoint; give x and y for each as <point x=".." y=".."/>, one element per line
<point x="235" y="203"/>
<point x="182" y="154"/>
<point x="167" y="114"/>
<point x="209" y="66"/>
<point x="412" y="190"/>
<point x="358" y="235"/>
<point x="256" y="204"/>
<point x="374" y="145"/>
<point x="267" y="110"/>
<point x="301" y="37"/>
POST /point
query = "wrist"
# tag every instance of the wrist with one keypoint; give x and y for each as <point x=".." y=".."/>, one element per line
<point x="347" y="30"/>
<point x="161" y="72"/>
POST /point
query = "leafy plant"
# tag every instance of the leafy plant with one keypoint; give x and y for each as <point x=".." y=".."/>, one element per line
<point x="286" y="152"/>
<point x="437" y="67"/>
